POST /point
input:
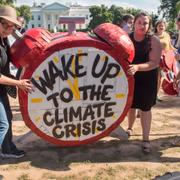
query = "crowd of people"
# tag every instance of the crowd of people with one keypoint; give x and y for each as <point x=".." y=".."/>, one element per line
<point x="144" y="68"/>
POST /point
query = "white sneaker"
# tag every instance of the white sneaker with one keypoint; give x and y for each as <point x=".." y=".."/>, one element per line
<point x="119" y="133"/>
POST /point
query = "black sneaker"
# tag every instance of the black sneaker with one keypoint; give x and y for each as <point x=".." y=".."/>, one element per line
<point x="15" y="154"/>
<point x="19" y="151"/>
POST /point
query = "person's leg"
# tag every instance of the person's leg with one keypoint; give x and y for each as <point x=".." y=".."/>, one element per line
<point x="131" y="119"/>
<point x="3" y="122"/>
<point x="138" y="113"/>
<point x="6" y="145"/>
<point x="9" y="149"/>
<point x="159" y="84"/>
<point x="146" y="118"/>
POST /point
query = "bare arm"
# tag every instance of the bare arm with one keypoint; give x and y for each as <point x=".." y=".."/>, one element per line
<point x="23" y="84"/>
<point x="154" y="58"/>
<point x="170" y="44"/>
<point x="177" y="57"/>
<point x="178" y="76"/>
<point x="176" y="81"/>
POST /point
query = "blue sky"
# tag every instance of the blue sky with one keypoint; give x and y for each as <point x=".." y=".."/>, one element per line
<point x="148" y="5"/>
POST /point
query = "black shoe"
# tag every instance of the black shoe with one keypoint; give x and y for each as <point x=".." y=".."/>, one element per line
<point x="14" y="154"/>
<point x="20" y="151"/>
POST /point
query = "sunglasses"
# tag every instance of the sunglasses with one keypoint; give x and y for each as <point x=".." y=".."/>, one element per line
<point x="6" y="25"/>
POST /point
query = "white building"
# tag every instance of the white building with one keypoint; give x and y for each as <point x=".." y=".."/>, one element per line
<point x="47" y="16"/>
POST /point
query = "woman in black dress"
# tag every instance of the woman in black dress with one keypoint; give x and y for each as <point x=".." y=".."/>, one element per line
<point x="144" y="68"/>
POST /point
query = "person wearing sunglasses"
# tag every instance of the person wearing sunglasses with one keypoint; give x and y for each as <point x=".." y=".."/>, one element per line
<point x="8" y="23"/>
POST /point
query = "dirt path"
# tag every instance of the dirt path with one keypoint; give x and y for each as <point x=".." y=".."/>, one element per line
<point x="108" y="158"/>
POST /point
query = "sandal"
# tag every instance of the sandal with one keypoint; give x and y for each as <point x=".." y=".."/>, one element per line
<point x="138" y="114"/>
<point x="158" y="99"/>
<point x="129" y="132"/>
<point x="146" y="147"/>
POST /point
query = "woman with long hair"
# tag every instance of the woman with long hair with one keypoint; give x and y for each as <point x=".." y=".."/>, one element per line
<point x="144" y="68"/>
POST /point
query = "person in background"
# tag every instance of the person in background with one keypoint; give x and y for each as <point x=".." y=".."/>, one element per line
<point x="177" y="81"/>
<point x="127" y="26"/>
<point x="127" y="23"/>
<point x="177" y="55"/>
<point x="18" y="34"/>
<point x="144" y="68"/>
<point x="22" y="28"/>
<point x="173" y="37"/>
<point x="177" y="45"/>
<point x="8" y="23"/>
<point x="165" y="39"/>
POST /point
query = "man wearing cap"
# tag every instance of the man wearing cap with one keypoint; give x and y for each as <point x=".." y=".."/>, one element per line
<point x="8" y="23"/>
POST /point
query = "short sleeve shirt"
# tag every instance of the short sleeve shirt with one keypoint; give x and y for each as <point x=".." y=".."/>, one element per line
<point x="4" y="63"/>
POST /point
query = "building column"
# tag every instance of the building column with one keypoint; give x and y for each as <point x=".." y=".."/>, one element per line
<point x="44" y="20"/>
<point x="52" y="20"/>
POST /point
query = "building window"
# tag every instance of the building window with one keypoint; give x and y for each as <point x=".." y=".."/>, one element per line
<point x="49" y="17"/>
<point x="32" y="25"/>
<point x="39" y="17"/>
<point x="39" y="25"/>
<point x="49" y="26"/>
<point x="32" y="17"/>
<point x="86" y="16"/>
<point x="64" y="26"/>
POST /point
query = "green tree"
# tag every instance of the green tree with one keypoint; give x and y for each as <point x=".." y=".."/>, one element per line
<point x="3" y="2"/>
<point x="99" y="14"/>
<point x="132" y="11"/>
<point x="178" y="7"/>
<point x="24" y="11"/>
<point x="154" y="18"/>
<point x="171" y="27"/>
<point x="168" y="8"/>
<point x="117" y="14"/>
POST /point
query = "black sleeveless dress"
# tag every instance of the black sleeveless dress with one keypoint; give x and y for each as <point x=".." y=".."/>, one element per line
<point x="145" y="90"/>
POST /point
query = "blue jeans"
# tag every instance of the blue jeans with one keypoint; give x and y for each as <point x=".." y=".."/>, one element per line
<point x="4" y="125"/>
<point x="7" y="145"/>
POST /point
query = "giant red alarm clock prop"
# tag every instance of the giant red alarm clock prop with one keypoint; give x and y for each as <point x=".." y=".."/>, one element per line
<point x="81" y="88"/>
<point x="170" y="68"/>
